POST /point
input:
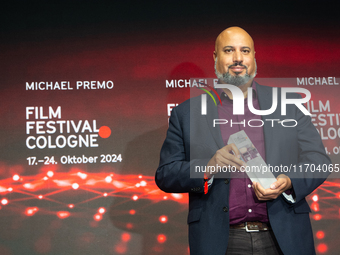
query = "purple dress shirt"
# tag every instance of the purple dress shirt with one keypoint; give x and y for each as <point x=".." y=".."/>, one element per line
<point x="243" y="203"/>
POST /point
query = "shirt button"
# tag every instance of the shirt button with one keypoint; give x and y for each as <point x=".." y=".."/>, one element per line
<point x="225" y="209"/>
<point x="249" y="210"/>
<point x="226" y="181"/>
<point x="249" y="185"/>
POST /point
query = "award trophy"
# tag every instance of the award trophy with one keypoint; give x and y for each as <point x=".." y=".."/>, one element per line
<point x="256" y="169"/>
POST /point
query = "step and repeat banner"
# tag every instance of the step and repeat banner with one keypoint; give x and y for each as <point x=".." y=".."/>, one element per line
<point x="83" y="118"/>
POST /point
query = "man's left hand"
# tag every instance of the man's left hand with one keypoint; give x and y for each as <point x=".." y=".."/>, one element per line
<point x="282" y="184"/>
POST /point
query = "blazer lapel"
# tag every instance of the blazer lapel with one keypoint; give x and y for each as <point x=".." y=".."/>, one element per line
<point x="212" y="113"/>
<point x="265" y="101"/>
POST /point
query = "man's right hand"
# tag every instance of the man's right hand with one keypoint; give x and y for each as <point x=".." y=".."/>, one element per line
<point x="226" y="156"/>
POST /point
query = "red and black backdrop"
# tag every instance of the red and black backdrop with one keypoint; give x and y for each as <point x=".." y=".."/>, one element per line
<point x="85" y="97"/>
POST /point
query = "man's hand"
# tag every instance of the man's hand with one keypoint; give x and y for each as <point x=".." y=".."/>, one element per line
<point x="282" y="184"/>
<point x="226" y="156"/>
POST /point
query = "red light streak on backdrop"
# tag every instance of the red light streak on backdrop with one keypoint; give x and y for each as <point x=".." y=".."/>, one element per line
<point x="79" y="194"/>
<point x="69" y="194"/>
<point x="52" y="186"/>
<point x="57" y="186"/>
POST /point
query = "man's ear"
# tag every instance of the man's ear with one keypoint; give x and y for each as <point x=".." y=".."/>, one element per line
<point x="214" y="56"/>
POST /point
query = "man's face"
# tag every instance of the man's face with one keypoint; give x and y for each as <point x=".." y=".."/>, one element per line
<point x="235" y="57"/>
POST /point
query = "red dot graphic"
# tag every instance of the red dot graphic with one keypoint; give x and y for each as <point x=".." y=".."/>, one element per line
<point x="322" y="248"/>
<point x="320" y="234"/>
<point x="104" y="132"/>
<point x="161" y="238"/>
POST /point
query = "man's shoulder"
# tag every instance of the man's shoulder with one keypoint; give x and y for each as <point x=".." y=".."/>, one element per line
<point x="187" y="104"/>
<point x="267" y="90"/>
<point x="263" y="88"/>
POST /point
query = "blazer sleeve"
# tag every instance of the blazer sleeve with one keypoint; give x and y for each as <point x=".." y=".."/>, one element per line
<point x="312" y="160"/>
<point x="173" y="173"/>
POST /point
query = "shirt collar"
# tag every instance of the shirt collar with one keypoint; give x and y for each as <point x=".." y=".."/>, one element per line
<point x="224" y="96"/>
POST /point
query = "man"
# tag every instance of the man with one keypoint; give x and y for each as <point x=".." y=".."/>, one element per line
<point x="219" y="220"/>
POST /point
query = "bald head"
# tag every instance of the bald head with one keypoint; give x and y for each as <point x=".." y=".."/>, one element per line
<point x="234" y="57"/>
<point x="233" y="33"/>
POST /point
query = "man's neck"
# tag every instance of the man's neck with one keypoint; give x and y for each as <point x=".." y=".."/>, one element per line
<point x="243" y="87"/>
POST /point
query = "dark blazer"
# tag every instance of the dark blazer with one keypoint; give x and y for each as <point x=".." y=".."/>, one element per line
<point x="192" y="140"/>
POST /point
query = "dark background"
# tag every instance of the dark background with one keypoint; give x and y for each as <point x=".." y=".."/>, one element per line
<point x="138" y="45"/>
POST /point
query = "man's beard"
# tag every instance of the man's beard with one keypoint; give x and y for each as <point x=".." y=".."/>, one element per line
<point x="236" y="80"/>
